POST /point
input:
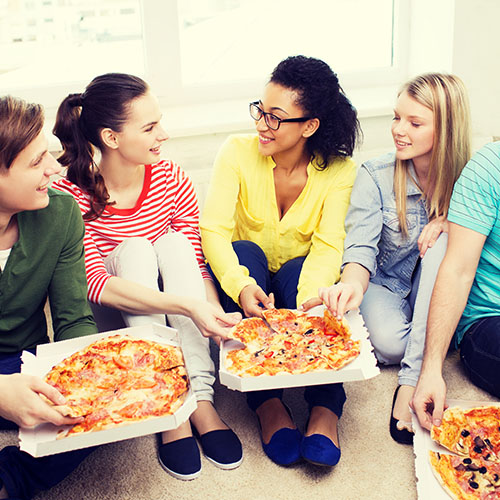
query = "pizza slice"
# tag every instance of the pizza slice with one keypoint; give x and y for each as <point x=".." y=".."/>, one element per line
<point x="252" y="332"/>
<point x="466" y="478"/>
<point x="287" y="321"/>
<point x="474" y="432"/>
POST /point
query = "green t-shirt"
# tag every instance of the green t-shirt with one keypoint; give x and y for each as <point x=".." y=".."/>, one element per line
<point x="47" y="260"/>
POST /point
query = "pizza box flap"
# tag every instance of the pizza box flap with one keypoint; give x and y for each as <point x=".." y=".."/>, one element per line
<point x="427" y="484"/>
<point x="41" y="440"/>
<point x="361" y="368"/>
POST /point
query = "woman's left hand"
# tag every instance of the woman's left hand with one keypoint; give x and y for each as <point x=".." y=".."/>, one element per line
<point x="431" y="232"/>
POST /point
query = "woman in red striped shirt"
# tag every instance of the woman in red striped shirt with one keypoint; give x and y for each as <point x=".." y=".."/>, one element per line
<point x="141" y="221"/>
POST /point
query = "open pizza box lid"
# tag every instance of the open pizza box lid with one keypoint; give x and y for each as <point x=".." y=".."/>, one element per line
<point x="427" y="484"/>
<point x="361" y="368"/>
<point x="41" y="440"/>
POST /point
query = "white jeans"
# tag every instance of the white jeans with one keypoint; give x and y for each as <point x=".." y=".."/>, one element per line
<point x="397" y="326"/>
<point x="173" y="256"/>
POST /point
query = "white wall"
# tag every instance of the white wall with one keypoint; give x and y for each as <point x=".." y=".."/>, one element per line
<point x="476" y="59"/>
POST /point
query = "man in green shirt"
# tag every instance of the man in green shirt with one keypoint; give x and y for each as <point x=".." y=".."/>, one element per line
<point x="41" y="255"/>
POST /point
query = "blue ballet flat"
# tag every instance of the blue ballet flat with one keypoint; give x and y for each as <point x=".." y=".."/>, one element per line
<point x="284" y="446"/>
<point x="319" y="450"/>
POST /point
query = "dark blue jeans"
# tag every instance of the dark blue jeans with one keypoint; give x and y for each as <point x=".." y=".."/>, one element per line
<point x="480" y="354"/>
<point x="23" y="475"/>
<point x="283" y="284"/>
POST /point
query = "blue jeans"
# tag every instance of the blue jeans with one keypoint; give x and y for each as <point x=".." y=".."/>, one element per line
<point x="23" y="475"/>
<point x="480" y="354"/>
<point x="397" y="325"/>
<point x="283" y="284"/>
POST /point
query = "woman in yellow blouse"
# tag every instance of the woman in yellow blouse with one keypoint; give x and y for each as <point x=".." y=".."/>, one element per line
<point x="273" y="228"/>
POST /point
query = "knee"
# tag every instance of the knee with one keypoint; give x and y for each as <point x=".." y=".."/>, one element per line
<point x="137" y="245"/>
<point x="388" y="349"/>
<point x="175" y="246"/>
<point x="248" y="249"/>
<point x="174" y="239"/>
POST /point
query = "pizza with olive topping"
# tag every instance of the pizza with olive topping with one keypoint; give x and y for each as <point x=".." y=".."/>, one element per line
<point x="467" y="478"/>
<point x="288" y="341"/>
<point x="474" y="435"/>
<point x="474" y="432"/>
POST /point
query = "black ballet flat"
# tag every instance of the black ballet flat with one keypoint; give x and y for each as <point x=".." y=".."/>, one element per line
<point x="401" y="436"/>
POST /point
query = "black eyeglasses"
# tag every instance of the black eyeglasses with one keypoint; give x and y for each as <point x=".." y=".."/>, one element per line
<point x="272" y="121"/>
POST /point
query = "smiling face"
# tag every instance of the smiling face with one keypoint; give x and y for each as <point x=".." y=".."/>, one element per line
<point x="140" y="139"/>
<point x="24" y="186"/>
<point x="413" y="130"/>
<point x="290" y="137"/>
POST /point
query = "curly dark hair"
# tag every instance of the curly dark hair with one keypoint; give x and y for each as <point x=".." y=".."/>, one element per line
<point x="320" y="95"/>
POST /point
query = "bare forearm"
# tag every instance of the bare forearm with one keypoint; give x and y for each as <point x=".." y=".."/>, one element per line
<point x="355" y="273"/>
<point x="211" y="291"/>
<point x="447" y="305"/>
<point x="137" y="299"/>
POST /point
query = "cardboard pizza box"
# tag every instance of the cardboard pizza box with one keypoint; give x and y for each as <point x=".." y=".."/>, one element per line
<point x="361" y="368"/>
<point x="41" y="440"/>
<point x="427" y="484"/>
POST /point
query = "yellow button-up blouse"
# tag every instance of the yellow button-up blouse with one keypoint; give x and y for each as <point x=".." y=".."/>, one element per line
<point x="241" y="205"/>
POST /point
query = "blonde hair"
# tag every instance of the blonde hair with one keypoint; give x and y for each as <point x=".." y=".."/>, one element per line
<point x="20" y="124"/>
<point x="446" y="96"/>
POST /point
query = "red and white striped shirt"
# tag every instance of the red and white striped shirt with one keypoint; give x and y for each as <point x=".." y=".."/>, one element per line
<point x="167" y="203"/>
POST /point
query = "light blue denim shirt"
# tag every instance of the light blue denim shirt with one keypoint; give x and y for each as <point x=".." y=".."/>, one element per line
<point x="374" y="238"/>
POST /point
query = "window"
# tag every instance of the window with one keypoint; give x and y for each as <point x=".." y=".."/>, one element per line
<point x="51" y="44"/>
<point x="195" y="51"/>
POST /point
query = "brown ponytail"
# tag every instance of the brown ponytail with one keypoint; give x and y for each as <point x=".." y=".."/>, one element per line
<point x="80" y="119"/>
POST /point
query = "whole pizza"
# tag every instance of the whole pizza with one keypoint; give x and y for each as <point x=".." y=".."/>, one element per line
<point x="119" y="380"/>
<point x="474" y="436"/>
<point x="290" y="341"/>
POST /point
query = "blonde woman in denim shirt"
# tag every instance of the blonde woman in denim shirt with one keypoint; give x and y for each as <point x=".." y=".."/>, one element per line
<point x="396" y="229"/>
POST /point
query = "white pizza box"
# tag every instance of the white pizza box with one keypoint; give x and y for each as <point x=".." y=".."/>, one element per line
<point x="41" y="440"/>
<point x="361" y="368"/>
<point x="427" y="484"/>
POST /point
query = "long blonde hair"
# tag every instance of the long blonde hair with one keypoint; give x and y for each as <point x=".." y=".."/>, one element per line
<point x="446" y="96"/>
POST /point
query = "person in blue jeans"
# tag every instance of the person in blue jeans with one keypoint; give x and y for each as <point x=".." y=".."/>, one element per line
<point x="466" y="299"/>
<point x="396" y="229"/>
<point x="273" y="228"/>
<point x="41" y="255"/>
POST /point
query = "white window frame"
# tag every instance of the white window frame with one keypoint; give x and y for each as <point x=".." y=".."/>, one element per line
<point x="164" y="45"/>
<point x="193" y="110"/>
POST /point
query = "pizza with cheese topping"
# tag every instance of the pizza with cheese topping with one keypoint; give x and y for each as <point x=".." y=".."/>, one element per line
<point x="466" y="478"/>
<point x="288" y="341"/>
<point x="474" y="435"/>
<point x="119" y="380"/>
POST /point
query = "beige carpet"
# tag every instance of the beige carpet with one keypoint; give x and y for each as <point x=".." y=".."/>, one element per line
<point x="372" y="466"/>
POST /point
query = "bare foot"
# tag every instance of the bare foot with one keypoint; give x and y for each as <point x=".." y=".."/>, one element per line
<point x="183" y="431"/>
<point x="323" y="421"/>
<point x="401" y="410"/>
<point x="273" y="417"/>
<point x="206" y="419"/>
<point x="3" y="493"/>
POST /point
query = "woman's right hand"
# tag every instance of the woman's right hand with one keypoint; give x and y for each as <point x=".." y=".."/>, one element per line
<point x="341" y="297"/>
<point x="212" y="321"/>
<point x="250" y="298"/>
